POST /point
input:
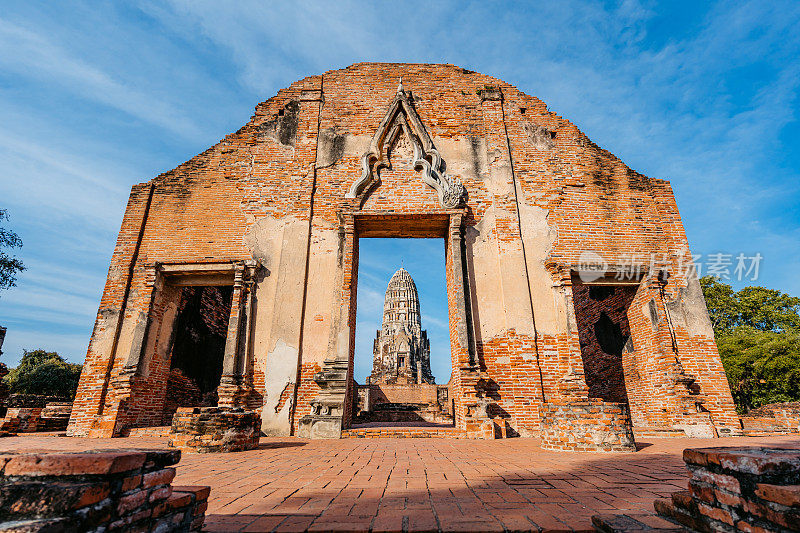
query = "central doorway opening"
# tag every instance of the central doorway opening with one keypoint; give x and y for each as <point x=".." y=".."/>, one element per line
<point x="402" y="363"/>
<point x="198" y="346"/>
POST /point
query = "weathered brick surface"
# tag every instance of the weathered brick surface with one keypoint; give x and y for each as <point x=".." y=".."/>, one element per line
<point x="214" y="429"/>
<point x="97" y="491"/>
<point x="539" y="193"/>
<point x="750" y="489"/>
<point x="586" y="426"/>
<point x="456" y="483"/>
<point x="772" y="419"/>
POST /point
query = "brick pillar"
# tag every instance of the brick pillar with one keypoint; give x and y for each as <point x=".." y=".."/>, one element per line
<point x="289" y="314"/>
<point x="236" y="384"/>
<point x="571" y="385"/>
<point x="518" y="357"/>
<point x="331" y="408"/>
<point x="95" y="377"/>
<point x="231" y="380"/>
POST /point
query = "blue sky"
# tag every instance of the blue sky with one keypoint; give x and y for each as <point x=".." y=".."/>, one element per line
<point x="378" y="260"/>
<point x="97" y="97"/>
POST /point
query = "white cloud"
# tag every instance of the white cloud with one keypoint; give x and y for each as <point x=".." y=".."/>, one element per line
<point x="94" y="99"/>
<point x="35" y="56"/>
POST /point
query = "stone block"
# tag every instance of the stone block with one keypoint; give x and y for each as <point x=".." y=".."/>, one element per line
<point x="96" y="490"/>
<point x="213" y="429"/>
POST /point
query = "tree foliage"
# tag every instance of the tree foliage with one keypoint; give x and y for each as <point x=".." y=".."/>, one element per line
<point x="758" y="335"/>
<point x="47" y="373"/>
<point x="9" y="266"/>
<point x="758" y="308"/>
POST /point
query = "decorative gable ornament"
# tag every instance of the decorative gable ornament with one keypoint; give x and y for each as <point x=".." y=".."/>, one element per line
<point x="402" y="119"/>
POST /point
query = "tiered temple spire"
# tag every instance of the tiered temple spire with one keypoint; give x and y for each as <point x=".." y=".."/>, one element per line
<point x="401" y="351"/>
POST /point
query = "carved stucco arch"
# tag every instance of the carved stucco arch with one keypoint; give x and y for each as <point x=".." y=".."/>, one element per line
<point x="402" y="119"/>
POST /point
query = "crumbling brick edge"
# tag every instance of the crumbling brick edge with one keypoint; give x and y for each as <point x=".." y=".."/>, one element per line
<point x="753" y="489"/>
<point x="97" y="491"/>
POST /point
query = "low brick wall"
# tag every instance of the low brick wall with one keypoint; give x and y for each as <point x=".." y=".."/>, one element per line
<point x="21" y="419"/>
<point x="750" y="489"/>
<point x="772" y="419"/>
<point x="97" y="491"/>
<point x="150" y="431"/>
<point x="214" y="429"/>
<point x="586" y="426"/>
<point x="53" y="417"/>
<point x="403" y="433"/>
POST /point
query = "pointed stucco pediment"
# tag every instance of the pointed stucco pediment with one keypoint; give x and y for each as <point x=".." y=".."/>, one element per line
<point x="402" y="119"/>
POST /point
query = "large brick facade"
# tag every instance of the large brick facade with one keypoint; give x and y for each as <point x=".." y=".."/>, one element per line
<point x="275" y="211"/>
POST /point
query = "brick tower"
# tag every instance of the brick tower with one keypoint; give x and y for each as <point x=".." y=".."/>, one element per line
<point x="401" y="351"/>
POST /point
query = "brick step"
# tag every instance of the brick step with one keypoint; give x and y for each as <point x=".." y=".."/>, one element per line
<point x="404" y="432"/>
<point x="644" y="432"/>
<point x="150" y="431"/>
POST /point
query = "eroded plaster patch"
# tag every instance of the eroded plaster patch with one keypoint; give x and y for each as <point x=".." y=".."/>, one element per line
<point x="539" y="237"/>
<point x="281" y="371"/>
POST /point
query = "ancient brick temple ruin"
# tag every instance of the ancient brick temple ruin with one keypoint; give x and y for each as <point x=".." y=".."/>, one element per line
<point x="402" y="351"/>
<point x="401" y="387"/>
<point x="233" y="282"/>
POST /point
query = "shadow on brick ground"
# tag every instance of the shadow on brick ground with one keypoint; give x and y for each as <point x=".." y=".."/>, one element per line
<point x="532" y="490"/>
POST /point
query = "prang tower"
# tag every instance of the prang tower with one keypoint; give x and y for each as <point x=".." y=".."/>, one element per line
<point x="401" y="351"/>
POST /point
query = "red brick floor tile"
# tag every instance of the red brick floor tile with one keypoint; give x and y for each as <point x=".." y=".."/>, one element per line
<point x="264" y="524"/>
<point x="419" y="484"/>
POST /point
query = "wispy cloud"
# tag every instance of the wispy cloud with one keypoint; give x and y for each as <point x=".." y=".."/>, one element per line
<point x="96" y="97"/>
<point x="37" y="57"/>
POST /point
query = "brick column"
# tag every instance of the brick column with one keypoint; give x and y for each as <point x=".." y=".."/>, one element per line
<point x="231" y="378"/>
<point x="94" y="382"/>
<point x="331" y="409"/>
<point x="515" y="376"/>
<point x="571" y="385"/>
<point x="466" y="354"/>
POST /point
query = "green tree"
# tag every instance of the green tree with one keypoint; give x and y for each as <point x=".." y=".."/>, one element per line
<point x="762" y="366"/>
<point x="9" y="266"/>
<point x="41" y="372"/>
<point x="758" y="336"/>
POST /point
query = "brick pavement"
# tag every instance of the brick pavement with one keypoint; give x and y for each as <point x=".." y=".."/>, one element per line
<point x="420" y="484"/>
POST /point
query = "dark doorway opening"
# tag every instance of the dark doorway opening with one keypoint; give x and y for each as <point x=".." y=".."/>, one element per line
<point x="198" y="348"/>
<point x="601" y="312"/>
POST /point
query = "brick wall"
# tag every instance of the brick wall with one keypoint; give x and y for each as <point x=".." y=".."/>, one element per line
<point x="539" y="193"/>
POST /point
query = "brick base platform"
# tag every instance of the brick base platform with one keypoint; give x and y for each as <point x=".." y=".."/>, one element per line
<point x="214" y="429"/>
<point x="750" y="489"/>
<point x="407" y="432"/>
<point x="150" y="431"/>
<point x="592" y="425"/>
<point x="97" y="491"/>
